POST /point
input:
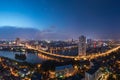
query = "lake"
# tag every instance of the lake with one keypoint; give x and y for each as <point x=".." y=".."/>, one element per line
<point x="30" y="57"/>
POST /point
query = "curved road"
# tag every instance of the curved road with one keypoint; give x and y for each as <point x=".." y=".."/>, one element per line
<point x="77" y="57"/>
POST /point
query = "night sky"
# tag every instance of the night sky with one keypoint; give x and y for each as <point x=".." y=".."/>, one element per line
<point x="63" y="19"/>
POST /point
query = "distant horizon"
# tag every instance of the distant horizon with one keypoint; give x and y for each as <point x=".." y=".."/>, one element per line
<point x="19" y="32"/>
<point x="61" y="19"/>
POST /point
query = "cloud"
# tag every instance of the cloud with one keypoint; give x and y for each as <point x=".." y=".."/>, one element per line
<point x="11" y="33"/>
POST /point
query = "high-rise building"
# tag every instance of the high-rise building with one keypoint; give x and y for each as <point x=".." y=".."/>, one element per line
<point x="89" y="43"/>
<point x="82" y="45"/>
<point x="17" y="41"/>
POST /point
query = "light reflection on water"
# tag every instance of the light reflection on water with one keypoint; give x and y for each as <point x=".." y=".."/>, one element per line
<point x="31" y="57"/>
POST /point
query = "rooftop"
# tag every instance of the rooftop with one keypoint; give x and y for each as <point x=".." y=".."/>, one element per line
<point x="63" y="67"/>
<point x="93" y="69"/>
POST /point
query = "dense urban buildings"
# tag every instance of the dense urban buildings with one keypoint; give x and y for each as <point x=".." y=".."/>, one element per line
<point x="68" y="60"/>
<point x="59" y="40"/>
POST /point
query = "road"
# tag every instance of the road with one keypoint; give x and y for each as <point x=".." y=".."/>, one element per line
<point x="57" y="55"/>
<point x="77" y="57"/>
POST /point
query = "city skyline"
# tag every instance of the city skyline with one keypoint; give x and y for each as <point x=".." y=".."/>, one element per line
<point x="60" y="19"/>
<point x="59" y="40"/>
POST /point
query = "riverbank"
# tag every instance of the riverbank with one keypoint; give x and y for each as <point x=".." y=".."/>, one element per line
<point x="16" y="70"/>
<point x="30" y="57"/>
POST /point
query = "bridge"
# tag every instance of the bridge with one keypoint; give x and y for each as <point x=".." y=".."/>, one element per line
<point x="56" y="55"/>
<point x="87" y="57"/>
<point x="92" y="56"/>
<point x="96" y="55"/>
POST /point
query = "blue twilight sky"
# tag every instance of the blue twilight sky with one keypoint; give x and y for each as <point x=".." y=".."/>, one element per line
<point x="67" y="18"/>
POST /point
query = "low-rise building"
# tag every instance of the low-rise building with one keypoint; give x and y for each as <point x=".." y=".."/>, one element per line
<point x="93" y="73"/>
<point x="64" y="71"/>
<point x="36" y="76"/>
